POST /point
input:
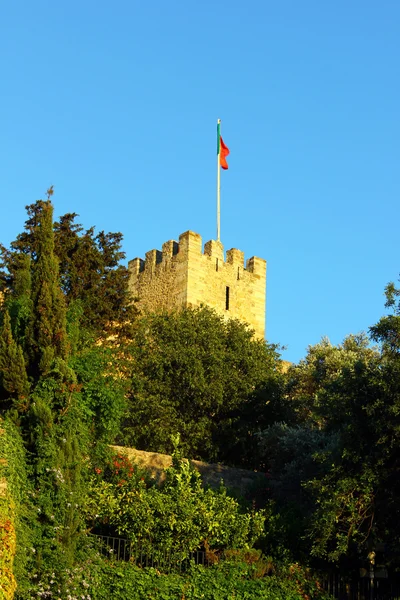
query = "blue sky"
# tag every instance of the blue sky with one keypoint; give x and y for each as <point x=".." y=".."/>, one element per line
<point x="116" y="103"/>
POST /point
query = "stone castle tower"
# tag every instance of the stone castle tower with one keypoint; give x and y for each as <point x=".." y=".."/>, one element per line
<point x="182" y="275"/>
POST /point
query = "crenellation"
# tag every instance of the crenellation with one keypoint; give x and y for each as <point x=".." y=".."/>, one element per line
<point x="189" y="242"/>
<point x="135" y="266"/>
<point x="182" y="275"/>
<point x="235" y="257"/>
<point x="256" y="265"/>
<point x="214" y="249"/>
<point x="169" y="249"/>
<point x="153" y="258"/>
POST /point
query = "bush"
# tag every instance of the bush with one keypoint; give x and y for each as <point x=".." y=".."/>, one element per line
<point x="220" y="582"/>
<point x="180" y="517"/>
<point x="16" y="515"/>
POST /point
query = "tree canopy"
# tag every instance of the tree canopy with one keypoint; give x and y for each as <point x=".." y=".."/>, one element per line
<point x="89" y="266"/>
<point x="336" y="463"/>
<point x="55" y="384"/>
<point x="80" y="369"/>
<point x="204" y="377"/>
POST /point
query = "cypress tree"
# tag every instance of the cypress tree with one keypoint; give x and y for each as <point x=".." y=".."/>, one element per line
<point x="89" y="269"/>
<point x="13" y="376"/>
<point x="38" y="285"/>
<point x="47" y="337"/>
<point x="19" y="302"/>
<point x="56" y="425"/>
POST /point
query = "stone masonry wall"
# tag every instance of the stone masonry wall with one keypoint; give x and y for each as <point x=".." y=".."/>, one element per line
<point x="227" y="286"/>
<point x="182" y="275"/>
<point x="240" y="480"/>
<point x="160" y="282"/>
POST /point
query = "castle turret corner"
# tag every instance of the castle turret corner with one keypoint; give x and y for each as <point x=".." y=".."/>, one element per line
<point x="183" y="276"/>
<point x="190" y="242"/>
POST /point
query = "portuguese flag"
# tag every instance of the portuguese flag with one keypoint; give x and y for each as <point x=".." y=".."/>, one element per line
<point x="222" y="148"/>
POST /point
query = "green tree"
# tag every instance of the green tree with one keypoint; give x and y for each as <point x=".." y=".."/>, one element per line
<point x="333" y="468"/>
<point x="19" y="301"/>
<point x="14" y="384"/>
<point x="53" y="424"/>
<point x="36" y="378"/>
<point x="51" y="322"/>
<point x="47" y="334"/>
<point x="387" y="330"/>
<point x="357" y="499"/>
<point x="357" y="492"/>
<point x="90" y="270"/>
<point x="194" y="373"/>
<point x="103" y="385"/>
<point x="64" y="390"/>
<point x="310" y="383"/>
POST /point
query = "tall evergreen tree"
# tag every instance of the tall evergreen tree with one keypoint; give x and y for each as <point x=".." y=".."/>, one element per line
<point x="55" y="422"/>
<point x="47" y="336"/>
<point x="14" y="385"/>
<point x="89" y="266"/>
<point x="62" y="388"/>
<point x="19" y="301"/>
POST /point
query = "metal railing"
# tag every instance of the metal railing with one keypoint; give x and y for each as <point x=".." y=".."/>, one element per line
<point x="345" y="587"/>
<point x="338" y="584"/>
<point x="165" y="560"/>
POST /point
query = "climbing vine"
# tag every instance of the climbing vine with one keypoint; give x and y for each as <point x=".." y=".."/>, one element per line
<point x="16" y="514"/>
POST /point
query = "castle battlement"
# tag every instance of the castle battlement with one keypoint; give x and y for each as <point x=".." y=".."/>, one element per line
<point x="182" y="274"/>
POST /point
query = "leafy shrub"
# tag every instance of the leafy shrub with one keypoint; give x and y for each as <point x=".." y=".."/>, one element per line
<point x="236" y="577"/>
<point x="16" y="515"/>
<point x="224" y="581"/>
<point x="179" y="517"/>
<point x="261" y="565"/>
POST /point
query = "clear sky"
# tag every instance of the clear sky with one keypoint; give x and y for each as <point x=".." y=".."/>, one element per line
<point x="116" y="103"/>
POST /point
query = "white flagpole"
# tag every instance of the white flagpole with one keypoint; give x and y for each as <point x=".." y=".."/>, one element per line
<point x="218" y="180"/>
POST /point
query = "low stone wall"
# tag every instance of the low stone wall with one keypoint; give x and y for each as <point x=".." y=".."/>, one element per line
<point x="238" y="480"/>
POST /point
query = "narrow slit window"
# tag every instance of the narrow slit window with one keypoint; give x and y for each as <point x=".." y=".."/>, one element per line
<point x="238" y="273"/>
<point x="227" y="298"/>
<point x="216" y="264"/>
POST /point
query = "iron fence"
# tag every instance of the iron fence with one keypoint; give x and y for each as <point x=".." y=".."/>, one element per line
<point x="341" y="586"/>
<point x="344" y="587"/>
<point x="165" y="561"/>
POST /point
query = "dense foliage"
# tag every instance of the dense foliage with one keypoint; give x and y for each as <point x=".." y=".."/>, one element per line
<point x="80" y="369"/>
<point x="362" y="476"/>
<point x="241" y="576"/>
<point x="179" y="517"/>
<point x="55" y="385"/>
<point x="207" y="378"/>
<point x="231" y="579"/>
<point x="64" y="384"/>
<point x="17" y="516"/>
<point x="89" y="266"/>
<point x="335" y="465"/>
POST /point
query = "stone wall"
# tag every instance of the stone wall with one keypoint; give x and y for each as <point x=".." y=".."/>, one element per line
<point x="182" y="275"/>
<point x="239" y="480"/>
<point x="160" y="281"/>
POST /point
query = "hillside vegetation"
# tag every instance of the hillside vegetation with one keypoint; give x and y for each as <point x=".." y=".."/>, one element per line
<point x="81" y="369"/>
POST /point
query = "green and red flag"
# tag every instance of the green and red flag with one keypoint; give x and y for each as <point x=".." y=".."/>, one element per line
<point x="222" y="148"/>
